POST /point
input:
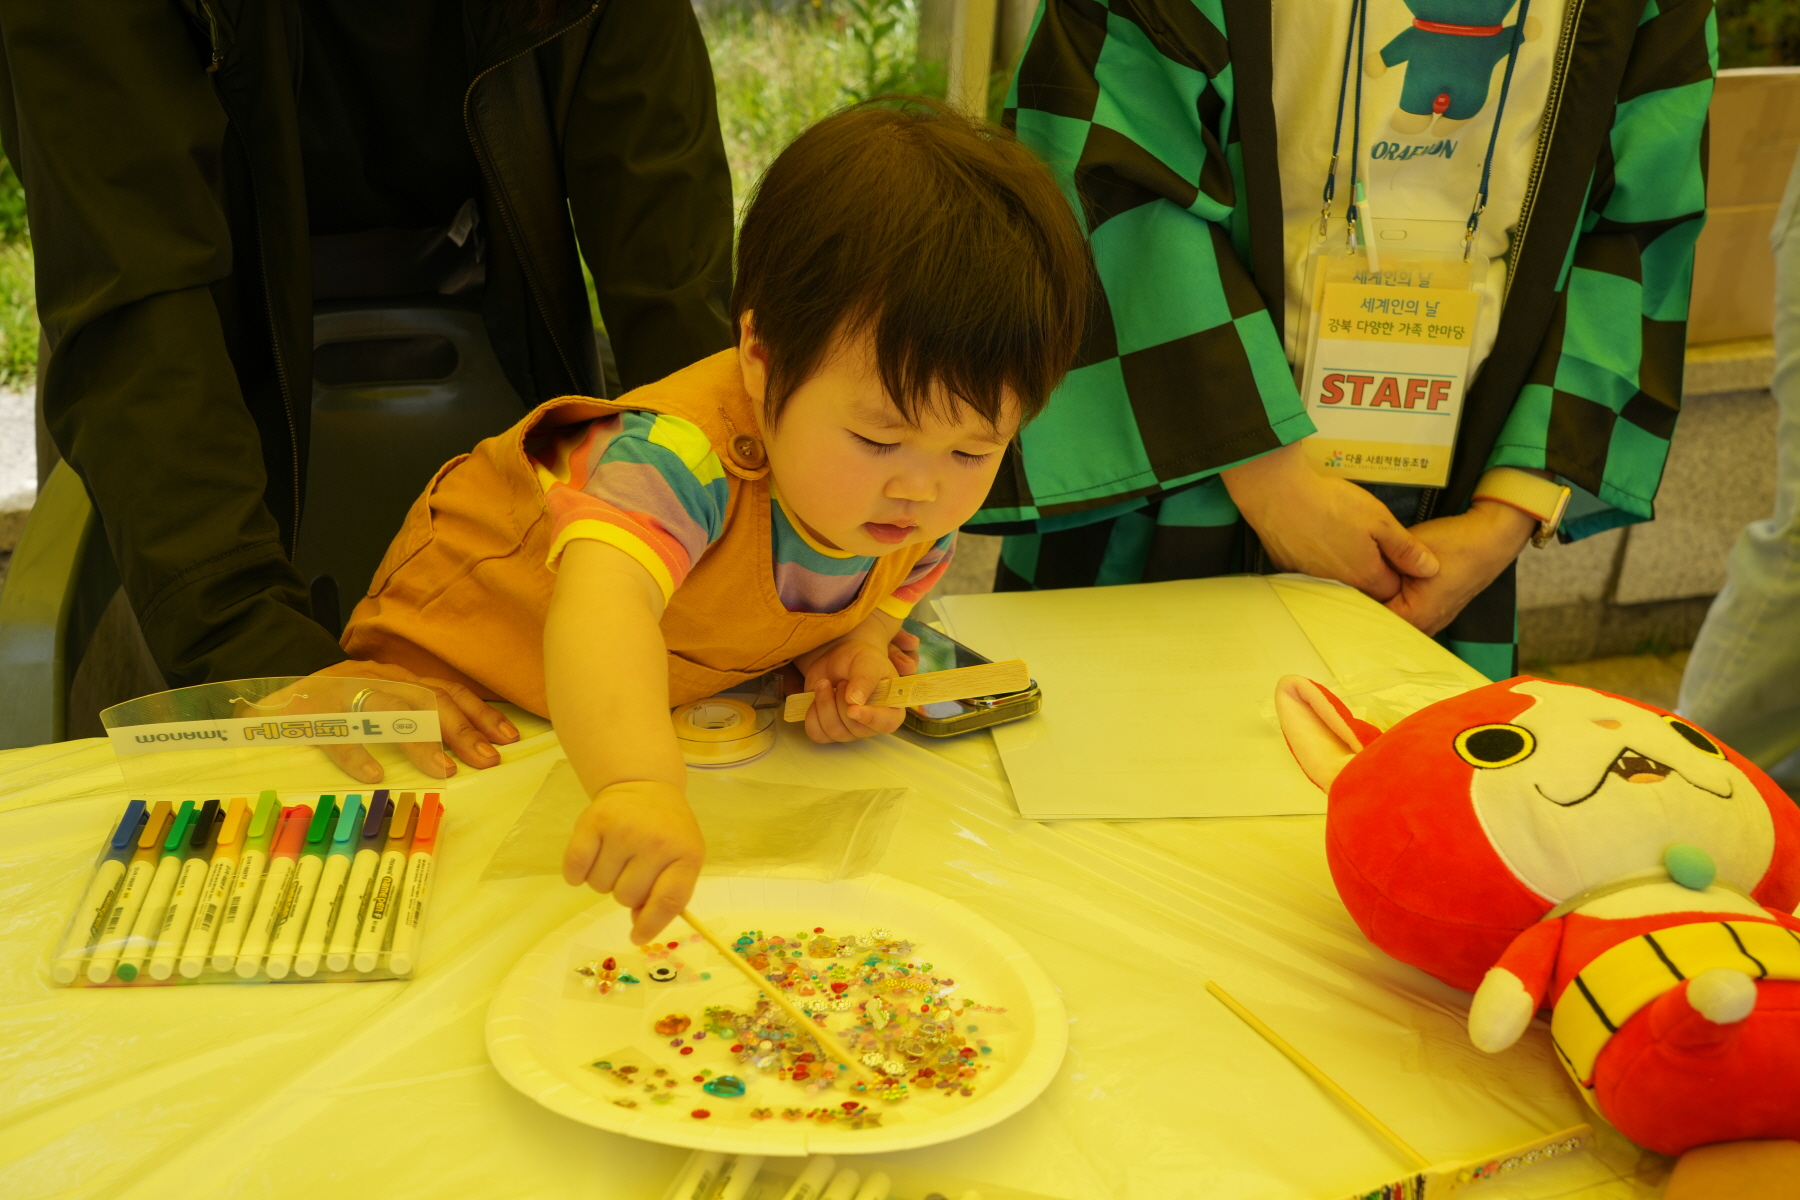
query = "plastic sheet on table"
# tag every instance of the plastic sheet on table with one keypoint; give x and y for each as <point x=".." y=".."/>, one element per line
<point x="751" y="827"/>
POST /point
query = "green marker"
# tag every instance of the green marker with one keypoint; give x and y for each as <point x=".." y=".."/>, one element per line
<point x="345" y="834"/>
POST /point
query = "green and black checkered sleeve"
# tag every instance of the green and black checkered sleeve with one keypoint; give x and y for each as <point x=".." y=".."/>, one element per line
<point x="1600" y="405"/>
<point x="1182" y="372"/>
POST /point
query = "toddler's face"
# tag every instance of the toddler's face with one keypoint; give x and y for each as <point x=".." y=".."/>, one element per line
<point x="854" y="472"/>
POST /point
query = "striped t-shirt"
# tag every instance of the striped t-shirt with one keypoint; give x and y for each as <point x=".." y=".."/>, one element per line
<point x="652" y="486"/>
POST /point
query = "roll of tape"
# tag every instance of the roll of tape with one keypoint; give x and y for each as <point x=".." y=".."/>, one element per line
<point x="720" y="731"/>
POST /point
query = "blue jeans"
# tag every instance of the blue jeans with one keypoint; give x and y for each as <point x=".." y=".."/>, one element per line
<point x="1743" y="680"/>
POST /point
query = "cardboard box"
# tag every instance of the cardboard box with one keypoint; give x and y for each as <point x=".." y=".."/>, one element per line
<point x="1754" y="136"/>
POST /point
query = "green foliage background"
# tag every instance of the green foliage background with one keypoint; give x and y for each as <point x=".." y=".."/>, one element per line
<point x="780" y="65"/>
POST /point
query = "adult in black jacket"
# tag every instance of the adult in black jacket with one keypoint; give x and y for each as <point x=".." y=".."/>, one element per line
<point x="188" y="163"/>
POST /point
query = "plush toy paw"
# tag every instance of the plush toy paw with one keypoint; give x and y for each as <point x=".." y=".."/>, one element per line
<point x="1722" y="995"/>
<point x="1501" y="1011"/>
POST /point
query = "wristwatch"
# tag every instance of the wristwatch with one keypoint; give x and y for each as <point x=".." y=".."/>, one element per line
<point x="1543" y="500"/>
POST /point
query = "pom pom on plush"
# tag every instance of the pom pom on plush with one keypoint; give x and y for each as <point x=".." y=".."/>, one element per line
<point x="1722" y="995"/>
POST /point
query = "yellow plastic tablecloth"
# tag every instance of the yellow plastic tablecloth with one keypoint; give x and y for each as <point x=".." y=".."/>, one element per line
<point x="385" y="1089"/>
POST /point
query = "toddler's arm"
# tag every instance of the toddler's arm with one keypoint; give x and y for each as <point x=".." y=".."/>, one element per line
<point x="843" y="672"/>
<point x="606" y="674"/>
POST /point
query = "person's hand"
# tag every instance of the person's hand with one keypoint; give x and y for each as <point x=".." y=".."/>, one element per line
<point x="840" y="680"/>
<point x="1739" y="1170"/>
<point x="468" y="725"/>
<point x="1472" y="549"/>
<point x="1327" y="527"/>
<point x="639" y="841"/>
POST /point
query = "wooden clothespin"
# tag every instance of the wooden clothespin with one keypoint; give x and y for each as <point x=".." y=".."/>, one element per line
<point x="988" y="679"/>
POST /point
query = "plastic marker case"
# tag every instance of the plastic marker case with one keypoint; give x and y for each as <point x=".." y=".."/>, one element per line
<point x="248" y="852"/>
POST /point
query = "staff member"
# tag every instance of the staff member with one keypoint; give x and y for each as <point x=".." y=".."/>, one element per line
<point x="1568" y="137"/>
<point x="198" y="172"/>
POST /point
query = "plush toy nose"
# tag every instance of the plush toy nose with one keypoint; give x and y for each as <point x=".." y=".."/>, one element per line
<point x="1606" y="722"/>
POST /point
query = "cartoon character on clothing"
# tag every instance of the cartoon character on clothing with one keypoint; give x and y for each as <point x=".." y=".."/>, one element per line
<point x="1450" y="52"/>
<point x="1543" y="844"/>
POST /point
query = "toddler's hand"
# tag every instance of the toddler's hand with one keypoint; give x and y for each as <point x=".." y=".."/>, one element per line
<point x="840" y="680"/>
<point x="639" y="841"/>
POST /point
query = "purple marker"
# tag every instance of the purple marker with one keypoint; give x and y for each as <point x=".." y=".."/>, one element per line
<point x="357" y="886"/>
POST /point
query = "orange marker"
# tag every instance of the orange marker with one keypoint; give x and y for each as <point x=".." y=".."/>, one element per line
<point x="417" y="889"/>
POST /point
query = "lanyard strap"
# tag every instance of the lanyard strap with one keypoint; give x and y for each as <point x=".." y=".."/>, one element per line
<point x="1354" y="49"/>
<point x="1337" y="132"/>
<point x="1487" y="163"/>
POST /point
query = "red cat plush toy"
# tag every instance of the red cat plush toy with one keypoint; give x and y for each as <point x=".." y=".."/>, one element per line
<point x="1550" y="846"/>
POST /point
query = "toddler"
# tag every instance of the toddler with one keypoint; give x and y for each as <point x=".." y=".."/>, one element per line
<point x="911" y="286"/>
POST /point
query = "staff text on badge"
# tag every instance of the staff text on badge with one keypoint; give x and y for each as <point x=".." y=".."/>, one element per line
<point x="1386" y="380"/>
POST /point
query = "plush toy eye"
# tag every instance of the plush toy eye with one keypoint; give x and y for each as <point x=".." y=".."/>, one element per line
<point x="1694" y="737"/>
<point x="1495" y="745"/>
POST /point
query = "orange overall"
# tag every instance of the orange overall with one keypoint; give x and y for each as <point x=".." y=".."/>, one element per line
<point x="464" y="589"/>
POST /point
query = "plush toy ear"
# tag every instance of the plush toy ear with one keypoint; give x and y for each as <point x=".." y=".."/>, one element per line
<point x="1320" y="730"/>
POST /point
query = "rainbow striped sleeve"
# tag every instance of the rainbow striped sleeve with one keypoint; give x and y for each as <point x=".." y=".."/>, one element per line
<point x="923" y="577"/>
<point x="646" y="484"/>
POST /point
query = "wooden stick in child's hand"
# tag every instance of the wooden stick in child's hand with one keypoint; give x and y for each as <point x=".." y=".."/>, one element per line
<point x="988" y="679"/>
<point x="801" y="1020"/>
<point x="1319" y="1077"/>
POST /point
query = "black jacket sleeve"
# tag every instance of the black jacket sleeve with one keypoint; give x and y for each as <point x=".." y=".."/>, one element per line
<point x="121" y="143"/>
<point x="649" y="188"/>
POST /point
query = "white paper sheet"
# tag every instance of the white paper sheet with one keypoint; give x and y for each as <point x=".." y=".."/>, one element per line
<point x="1158" y="698"/>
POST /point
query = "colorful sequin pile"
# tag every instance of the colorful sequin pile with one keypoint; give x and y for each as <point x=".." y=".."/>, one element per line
<point x="900" y="1021"/>
<point x="906" y="1029"/>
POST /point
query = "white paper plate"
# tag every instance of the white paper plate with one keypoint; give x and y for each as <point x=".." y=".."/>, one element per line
<point x="544" y="1029"/>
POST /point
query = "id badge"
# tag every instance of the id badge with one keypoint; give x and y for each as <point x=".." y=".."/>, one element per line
<point x="1386" y="362"/>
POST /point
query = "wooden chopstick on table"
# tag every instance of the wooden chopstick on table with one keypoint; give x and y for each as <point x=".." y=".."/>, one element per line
<point x="987" y="679"/>
<point x="802" y="1021"/>
<point x="1319" y="1077"/>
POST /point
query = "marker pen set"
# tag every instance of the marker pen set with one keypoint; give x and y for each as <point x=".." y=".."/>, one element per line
<point x="711" y="1175"/>
<point x="224" y="891"/>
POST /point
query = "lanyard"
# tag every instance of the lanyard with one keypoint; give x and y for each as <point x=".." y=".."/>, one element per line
<point x="1354" y="52"/>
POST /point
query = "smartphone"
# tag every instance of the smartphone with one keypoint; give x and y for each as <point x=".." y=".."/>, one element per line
<point x="947" y="718"/>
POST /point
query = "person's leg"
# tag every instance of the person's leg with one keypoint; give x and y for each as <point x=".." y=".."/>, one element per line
<point x="1743" y="678"/>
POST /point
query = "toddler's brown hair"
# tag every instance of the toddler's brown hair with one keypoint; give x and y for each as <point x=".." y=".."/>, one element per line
<point x="940" y="235"/>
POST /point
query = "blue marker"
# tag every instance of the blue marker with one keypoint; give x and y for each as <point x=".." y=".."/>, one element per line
<point x="85" y="929"/>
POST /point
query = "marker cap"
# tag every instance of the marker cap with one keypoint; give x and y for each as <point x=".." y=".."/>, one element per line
<point x="292" y="834"/>
<point x="157" y="826"/>
<point x="232" y="825"/>
<point x="348" y="825"/>
<point x="319" y="831"/>
<point x="400" y="828"/>
<point x="425" y="833"/>
<point x="202" y="830"/>
<point x="178" y="828"/>
<point x="380" y="808"/>
<point x="268" y="811"/>
<point x="127" y="831"/>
